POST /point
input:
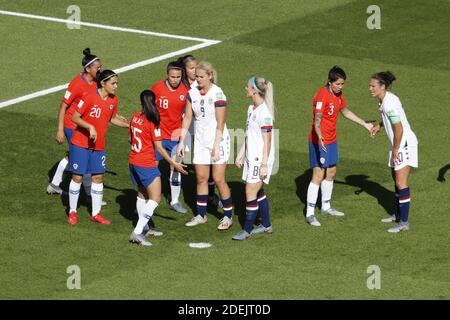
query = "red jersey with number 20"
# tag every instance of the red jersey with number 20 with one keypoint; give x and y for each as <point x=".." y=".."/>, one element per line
<point x="78" y="87"/>
<point x="98" y="112"/>
<point x="170" y="106"/>
<point x="143" y="133"/>
<point x="329" y="106"/>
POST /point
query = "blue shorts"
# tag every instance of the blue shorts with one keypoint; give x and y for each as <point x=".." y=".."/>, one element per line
<point x="69" y="133"/>
<point x="170" y="146"/>
<point x="82" y="161"/>
<point x="143" y="176"/>
<point x="322" y="159"/>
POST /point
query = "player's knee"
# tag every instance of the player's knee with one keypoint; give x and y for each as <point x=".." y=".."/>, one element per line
<point x="97" y="179"/>
<point x="76" y="178"/>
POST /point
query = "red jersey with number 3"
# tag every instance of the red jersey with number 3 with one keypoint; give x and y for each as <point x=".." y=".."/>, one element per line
<point x="329" y="106"/>
<point x="143" y="134"/>
<point x="78" y="87"/>
<point x="170" y="105"/>
<point x="98" y="112"/>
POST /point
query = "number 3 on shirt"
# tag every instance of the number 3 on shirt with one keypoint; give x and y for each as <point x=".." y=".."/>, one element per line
<point x="331" y="110"/>
<point x="136" y="147"/>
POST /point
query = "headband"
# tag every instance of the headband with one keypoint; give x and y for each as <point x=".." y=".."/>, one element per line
<point x="252" y="81"/>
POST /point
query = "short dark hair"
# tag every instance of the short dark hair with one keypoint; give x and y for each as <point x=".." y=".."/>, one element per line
<point x="384" y="77"/>
<point x="104" y="75"/>
<point x="174" y="65"/>
<point x="336" y="73"/>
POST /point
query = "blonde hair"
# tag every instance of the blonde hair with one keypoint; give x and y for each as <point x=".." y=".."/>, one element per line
<point x="208" y="68"/>
<point x="265" y="89"/>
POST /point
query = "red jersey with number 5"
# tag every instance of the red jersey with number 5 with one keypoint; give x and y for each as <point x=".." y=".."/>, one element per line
<point x="78" y="87"/>
<point x="143" y="134"/>
<point x="329" y="106"/>
<point x="98" y="112"/>
<point x="170" y="105"/>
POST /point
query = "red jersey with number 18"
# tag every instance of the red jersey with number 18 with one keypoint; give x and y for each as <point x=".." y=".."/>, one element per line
<point x="170" y="106"/>
<point x="98" y="112"/>
<point x="143" y="133"/>
<point x="329" y="106"/>
<point x="78" y="87"/>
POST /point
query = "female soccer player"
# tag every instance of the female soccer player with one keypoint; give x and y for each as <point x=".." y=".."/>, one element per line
<point x="402" y="145"/>
<point x="87" y="154"/>
<point x="145" y="135"/>
<point x="258" y="151"/>
<point x="323" y="148"/>
<point x="170" y="98"/>
<point x="207" y="103"/>
<point x="80" y="85"/>
<point x="189" y="64"/>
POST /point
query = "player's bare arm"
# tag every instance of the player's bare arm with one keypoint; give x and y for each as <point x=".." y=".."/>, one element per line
<point x="60" y="132"/>
<point x="317" y="120"/>
<point x="353" y="117"/>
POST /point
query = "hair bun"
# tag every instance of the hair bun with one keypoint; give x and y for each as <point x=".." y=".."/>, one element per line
<point x="87" y="52"/>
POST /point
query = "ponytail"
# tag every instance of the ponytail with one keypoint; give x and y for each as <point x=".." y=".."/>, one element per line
<point x="386" y="78"/>
<point x="149" y="107"/>
<point x="265" y="89"/>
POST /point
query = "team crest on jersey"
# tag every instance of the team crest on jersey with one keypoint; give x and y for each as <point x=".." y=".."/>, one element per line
<point x="322" y="160"/>
<point x="181" y="97"/>
<point x="111" y="107"/>
<point x="75" y="166"/>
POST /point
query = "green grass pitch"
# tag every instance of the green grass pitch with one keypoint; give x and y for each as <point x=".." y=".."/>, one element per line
<point x="293" y="44"/>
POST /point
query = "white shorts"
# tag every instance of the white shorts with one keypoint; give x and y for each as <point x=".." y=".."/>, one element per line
<point x="407" y="156"/>
<point x="251" y="172"/>
<point x="202" y="153"/>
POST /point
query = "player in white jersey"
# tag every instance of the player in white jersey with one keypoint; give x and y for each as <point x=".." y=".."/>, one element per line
<point x="207" y="105"/>
<point x="403" y="153"/>
<point x="257" y="155"/>
<point x="189" y="64"/>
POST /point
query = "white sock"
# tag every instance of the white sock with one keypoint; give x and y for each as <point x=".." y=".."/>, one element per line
<point x="147" y="211"/>
<point x="175" y="186"/>
<point x="58" y="177"/>
<point x="140" y="206"/>
<point x="327" y="189"/>
<point x="97" y="197"/>
<point x="311" y="199"/>
<point x="87" y="183"/>
<point x="74" y="192"/>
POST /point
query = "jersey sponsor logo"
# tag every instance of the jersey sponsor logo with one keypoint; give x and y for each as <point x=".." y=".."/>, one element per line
<point x="67" y="94"/>
<point x="157" y="132"/>
<point x="318" y="105"/>
<point x="80" y="104"/>
<point x="182" y="97"/>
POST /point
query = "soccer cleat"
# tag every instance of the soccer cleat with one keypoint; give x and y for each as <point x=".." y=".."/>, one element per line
<point x="139" y="239"/>
<point x="241" y="235"/>
<point x="262" y="229"/>
<point x="100" y="219"/>
<point x="198" y="219"/>
<point x="151" y="232"/>
<point x="73" y="218"/>
<point x="332" y="212"/>
<point x="399" y="227"/>
<point x="178" y="208"/>
<point x="225" y="223"/>
<point x="52" y="189"/>
<point x="312" y="220"/>
<point x="389" y="219"/>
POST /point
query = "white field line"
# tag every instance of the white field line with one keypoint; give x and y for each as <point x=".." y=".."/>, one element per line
<point x="204" y="43"/>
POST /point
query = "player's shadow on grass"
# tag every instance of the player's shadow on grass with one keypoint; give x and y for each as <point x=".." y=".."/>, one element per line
<point x="442" y="172"/>
<point x="238" y="195"/>
<point x="385" y="197"/>
<point x="302" y="183"/>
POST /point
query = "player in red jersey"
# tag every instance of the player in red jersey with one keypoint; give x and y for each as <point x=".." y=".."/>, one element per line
<point x="171" y="96"/>
<point x="323" y="149"/>
<point x="87" y="154"/>
<point x="80" y="85"/>
<point x="145" y="136"/>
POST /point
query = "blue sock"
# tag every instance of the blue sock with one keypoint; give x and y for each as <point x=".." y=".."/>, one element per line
<point x="263" y="204"/>
<point x="227" y="207"/>
<point x="397" y="207"/>
<point x="403" y="203"/>
<point x="250" y="217"/>
<point x="202" y="201"/>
